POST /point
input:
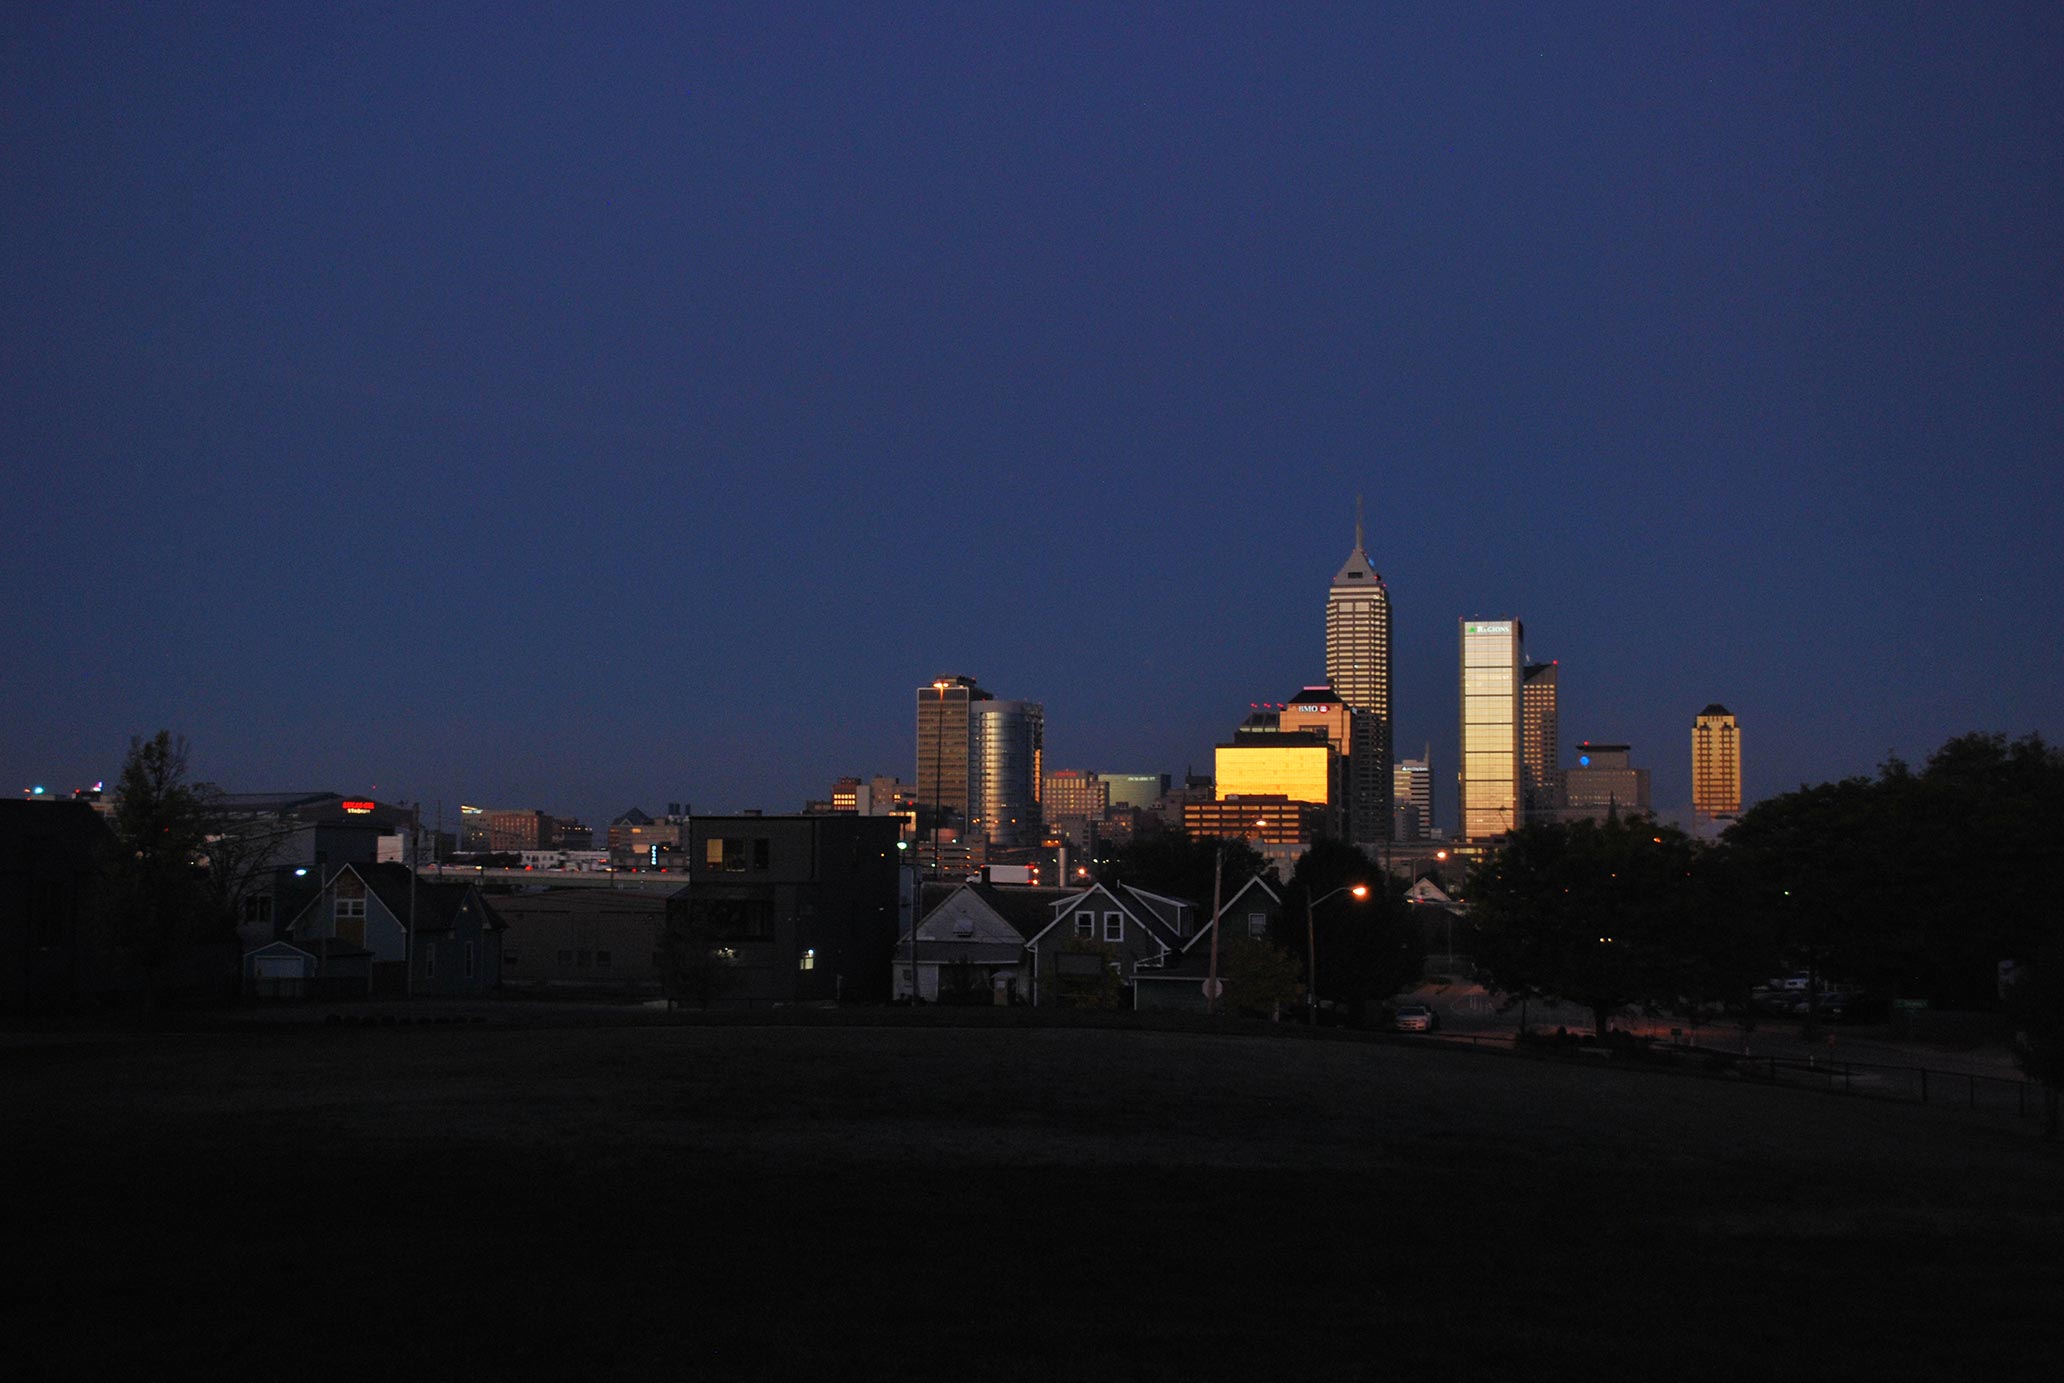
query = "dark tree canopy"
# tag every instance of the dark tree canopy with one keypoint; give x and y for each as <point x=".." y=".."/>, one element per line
<point x="1365" y="947"/>
<point x="1920" y="883"/>
<point x="159" y="899"/>
<point x="2035" y="1008"/>
<point x="1180" y="865"/>
<point x="1604" y="915"/>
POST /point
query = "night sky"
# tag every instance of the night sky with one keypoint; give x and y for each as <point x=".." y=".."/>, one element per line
<point x="539" y="407"/>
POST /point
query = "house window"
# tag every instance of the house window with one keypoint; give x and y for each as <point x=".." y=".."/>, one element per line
<point x="724" y="855"/>
<point x="1114" y="926"/>
<point x="351" y="907"/>
<point x="510" y="958"/>
<point x="1085" y="925"/>
<point x="809" y="960"/>
<point x="1257" y="924"/>
<point x="258" y="907"/>
<point x="761" y="855"/>
<point x="601" y="958"/>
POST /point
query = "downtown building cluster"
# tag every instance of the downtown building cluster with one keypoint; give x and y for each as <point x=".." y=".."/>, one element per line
<point x="1321" y="763"/>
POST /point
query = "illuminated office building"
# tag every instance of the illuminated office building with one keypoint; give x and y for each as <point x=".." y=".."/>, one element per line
<point x="1141" y="790"/>
<point x="1716" y="764"/>
<point x="1007" y="747"/>
<point x="1297" y="765"/>
<point x="945" y="780"/>
<point x="1604" y="782"/>
<point x="1412" y="798"/>
<point x="1540" y="730"/>
<point x="1358" y="668"/>
<point x="1489" y="777"/>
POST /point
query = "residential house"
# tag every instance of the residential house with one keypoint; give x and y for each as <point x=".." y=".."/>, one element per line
<point x="1123" y="932"/>
<point x="1253" y="911"/>
<point x="419" y="937"/>
<point x="805" y="907"/>
<point x="971" y="943"/>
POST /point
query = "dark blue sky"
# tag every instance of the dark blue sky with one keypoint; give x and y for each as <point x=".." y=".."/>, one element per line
<point x="537" y="407"/>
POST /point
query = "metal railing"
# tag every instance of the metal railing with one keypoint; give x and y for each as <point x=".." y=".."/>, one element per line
<point x="2004" y="1095"/>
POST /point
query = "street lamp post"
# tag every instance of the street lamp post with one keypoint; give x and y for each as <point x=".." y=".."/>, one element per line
<point x="938" y="810"/>
<point x="1311" y="945"/>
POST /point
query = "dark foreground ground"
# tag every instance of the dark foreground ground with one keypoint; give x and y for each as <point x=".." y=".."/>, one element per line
<point x="733" y="1201"/>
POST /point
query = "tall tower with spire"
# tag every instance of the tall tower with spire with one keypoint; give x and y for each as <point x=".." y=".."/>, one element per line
<point x="1358" y="666"/>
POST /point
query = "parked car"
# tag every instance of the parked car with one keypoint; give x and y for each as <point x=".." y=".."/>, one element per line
<point x="1415" y="1018"/>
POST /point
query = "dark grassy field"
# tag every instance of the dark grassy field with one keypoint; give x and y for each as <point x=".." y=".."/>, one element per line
<point x="878" y="1202"/>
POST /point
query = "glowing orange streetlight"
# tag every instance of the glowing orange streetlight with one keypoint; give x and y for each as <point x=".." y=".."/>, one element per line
<point x="1311" y="945"/>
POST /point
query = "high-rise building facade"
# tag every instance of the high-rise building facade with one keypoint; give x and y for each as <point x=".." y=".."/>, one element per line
<point x="1489" y="776"/>
<point x="1540" y="731"/>
<point x="945" y="780"/>
<point x="1007" y="756"/>
<point x="1141" y="790"/>
<point x="1412" y="798"/>
<point x="1716" y="764"/>
<point x="1358" y="667"/>
<point x="1604" y="782"/>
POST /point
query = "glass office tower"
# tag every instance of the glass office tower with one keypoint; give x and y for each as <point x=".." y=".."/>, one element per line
<point x="1007" y="742"/>
<point x="1489" y="778"/>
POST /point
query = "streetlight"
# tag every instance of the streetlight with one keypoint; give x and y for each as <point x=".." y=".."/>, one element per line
<point x="916" y="907"/>
<point x="1311" y="945"/>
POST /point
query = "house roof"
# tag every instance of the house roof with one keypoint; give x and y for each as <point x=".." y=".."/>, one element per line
<point x="1027" y="911"/>
<point x="1133" y="904"/>
<point x="1257" y="881"/>
<point x="437" y="906"/>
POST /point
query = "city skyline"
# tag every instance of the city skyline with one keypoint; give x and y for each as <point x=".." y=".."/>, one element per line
<point x="581" y="417"/>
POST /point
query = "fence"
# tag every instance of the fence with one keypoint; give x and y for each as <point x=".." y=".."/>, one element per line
<point x="2006" y="1095"/>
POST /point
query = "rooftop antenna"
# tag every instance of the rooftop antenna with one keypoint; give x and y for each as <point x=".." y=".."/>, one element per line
<point x="1358" y="523"/>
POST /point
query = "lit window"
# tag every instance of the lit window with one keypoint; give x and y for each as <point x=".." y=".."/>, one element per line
<point x="808" y="962"/>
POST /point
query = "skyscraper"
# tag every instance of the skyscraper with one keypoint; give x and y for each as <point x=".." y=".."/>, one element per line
<point x="1604" y="782"/>
<point x="1358" y="666"/>
<point x="1412" y="798"/>
<point x="944" y="780"/>
<point x="1539" y="738"/>
<point x="1489" y="776"/>
<point x="1008" y="752"/>
<point x="1716" y="763"/>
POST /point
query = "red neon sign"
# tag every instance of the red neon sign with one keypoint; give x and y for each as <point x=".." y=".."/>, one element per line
<point x="359" y="808"/>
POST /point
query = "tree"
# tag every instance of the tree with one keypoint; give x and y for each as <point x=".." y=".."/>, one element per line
<point x="1364" y="949"/>
<point x="1921" y="883"/>
<point x="1260" y="976"/>
<point x="158" y="899"/>
<point x="1086" y="974"/>
<point x="1593" y="913"/>
<point x="1179" y="865"/>
<point x="2035" y="1009"/>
